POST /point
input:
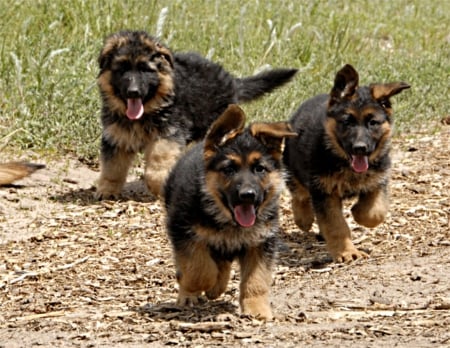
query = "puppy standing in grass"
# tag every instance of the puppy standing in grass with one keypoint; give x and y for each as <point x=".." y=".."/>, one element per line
<point x="342" y="151"/>
<point x="156" y="101"/>
<point x="222" y="204"/>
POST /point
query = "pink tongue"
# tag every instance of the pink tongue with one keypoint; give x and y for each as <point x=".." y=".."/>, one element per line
<point x="360" y="163"/>
<point x="245" y="214"/>
<point x="135" y="109"/>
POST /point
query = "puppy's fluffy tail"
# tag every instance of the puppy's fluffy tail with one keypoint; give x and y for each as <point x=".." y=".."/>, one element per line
<point x="252" y="87"/>
<point x="12" y="171"/>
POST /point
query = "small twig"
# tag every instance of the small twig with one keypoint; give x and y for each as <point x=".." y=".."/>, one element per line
<point x="70" y="265"/>
<point x="202" y="327"/>
<point x="60" y="268"/>
<point x="119" y="314"/>
<point x="41" y="315"/>
<point x="23" y="276"/>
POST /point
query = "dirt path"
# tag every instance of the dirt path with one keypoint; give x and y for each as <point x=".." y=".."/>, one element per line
<point x="79" y="273"/>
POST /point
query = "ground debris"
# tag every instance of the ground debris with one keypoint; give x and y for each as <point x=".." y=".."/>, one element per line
<point x="79" y="272"/>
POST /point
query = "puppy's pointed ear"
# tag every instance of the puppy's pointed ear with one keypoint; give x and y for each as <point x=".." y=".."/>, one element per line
<point x="345" y="84"/>
<point x="272" y="135"/>
<point x="226" y="127"/>
<point x="381" y="92"/>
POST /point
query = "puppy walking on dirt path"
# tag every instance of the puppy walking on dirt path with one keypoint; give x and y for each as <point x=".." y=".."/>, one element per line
<point x="222" y="204"/>
<point x="342" y="151"/>
<point x="156" y="102"/>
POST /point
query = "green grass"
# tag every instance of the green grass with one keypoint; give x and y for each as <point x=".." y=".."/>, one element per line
<point x="48" y="56"/>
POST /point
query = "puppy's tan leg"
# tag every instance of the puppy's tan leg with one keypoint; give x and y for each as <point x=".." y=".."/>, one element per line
<point x="335" y="230"/>
<point x="196" y="272"/>
<point x="256" y="278"/>
<point x="223" y="278"/>
<point x="113" y="173"/>
<point x="301" y="206"/>
<point x="160" y="157"/>
<point x="371" y="208"/>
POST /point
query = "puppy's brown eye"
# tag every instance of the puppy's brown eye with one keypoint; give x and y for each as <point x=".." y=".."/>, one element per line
<point x="347" y="120"/>
<point x="259" y="169"/>
<point x="228" y="170"/>
<point x="374" y="123"/>
<point x="121" y="68"/>
<point x="143" y="67"/>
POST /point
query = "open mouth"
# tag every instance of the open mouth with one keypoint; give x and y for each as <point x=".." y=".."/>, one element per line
<point x="245" y="214"/>
<point x="360" y="163"/>
<point x="135" y="108"/>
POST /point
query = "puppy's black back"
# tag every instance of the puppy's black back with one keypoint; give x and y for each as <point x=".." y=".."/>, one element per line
<point x="203" y="90"/>
<point x="305" y="155"/>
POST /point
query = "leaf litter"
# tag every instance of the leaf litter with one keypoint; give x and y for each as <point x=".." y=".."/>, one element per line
<point x="75" y="272"/>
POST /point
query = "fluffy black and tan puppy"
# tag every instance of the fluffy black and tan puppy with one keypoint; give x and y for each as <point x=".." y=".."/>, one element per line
<point x="12" y="171"/>
<point x="342" y="152"/>
<point x="157" y="101"/>
<point x="222" y="204"/>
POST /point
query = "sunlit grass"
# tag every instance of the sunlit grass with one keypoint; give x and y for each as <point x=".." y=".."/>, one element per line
<point x="48" y="56"/>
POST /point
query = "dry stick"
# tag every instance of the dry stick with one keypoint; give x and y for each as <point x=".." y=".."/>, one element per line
<point x="337" y="315"/>
<point x="42" y="315"/>
<point x="202" y="327"/>
<point x="60" y="268"/>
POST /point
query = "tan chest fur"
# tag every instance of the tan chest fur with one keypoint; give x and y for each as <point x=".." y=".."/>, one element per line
<point x="346" y="182"/>
<point x="134" y="139"/>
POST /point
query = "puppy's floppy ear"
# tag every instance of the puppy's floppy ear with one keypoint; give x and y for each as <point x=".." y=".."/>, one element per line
<point x="272" y="135"/>
<point x="165" y="53"/>
<point x="226" y="127"/>
<point x="112" y="43"/>
<point x="345" y="84"/>
<point x="381" y="92"/>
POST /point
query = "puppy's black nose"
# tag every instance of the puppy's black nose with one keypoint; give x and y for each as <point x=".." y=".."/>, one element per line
<point x="359" y="148"/>
<point x="247" y="195"/>
<point x="133" y="92"/>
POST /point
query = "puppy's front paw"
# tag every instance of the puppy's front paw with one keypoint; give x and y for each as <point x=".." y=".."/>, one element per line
<point x="345" y="252"/>
<point x="106" y="189"/>
<point x="105" y="195"/>
<point x="349" y="255"/>
<point x="258" y="307"/>
<point x="369" y="217"/>
<point x="187" y="299"/>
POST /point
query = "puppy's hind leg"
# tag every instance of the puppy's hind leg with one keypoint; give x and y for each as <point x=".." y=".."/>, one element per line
<point x="160" y="157"/>
<point x="301" y="206"/>
<point x="223" y="277"/>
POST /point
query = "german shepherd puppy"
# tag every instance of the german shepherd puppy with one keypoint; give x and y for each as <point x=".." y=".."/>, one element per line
<point x="157" y="101"/>
<point x="342" y="151"/>
<point x="12" y="171"/>
<point x="222" y="204"/>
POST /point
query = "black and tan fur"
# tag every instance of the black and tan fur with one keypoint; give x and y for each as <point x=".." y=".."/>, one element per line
<point x="157" y="101"/>
<point x="342" y="152"/>
<point x="12" y="171"/>
<point x="222" y="204"/>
